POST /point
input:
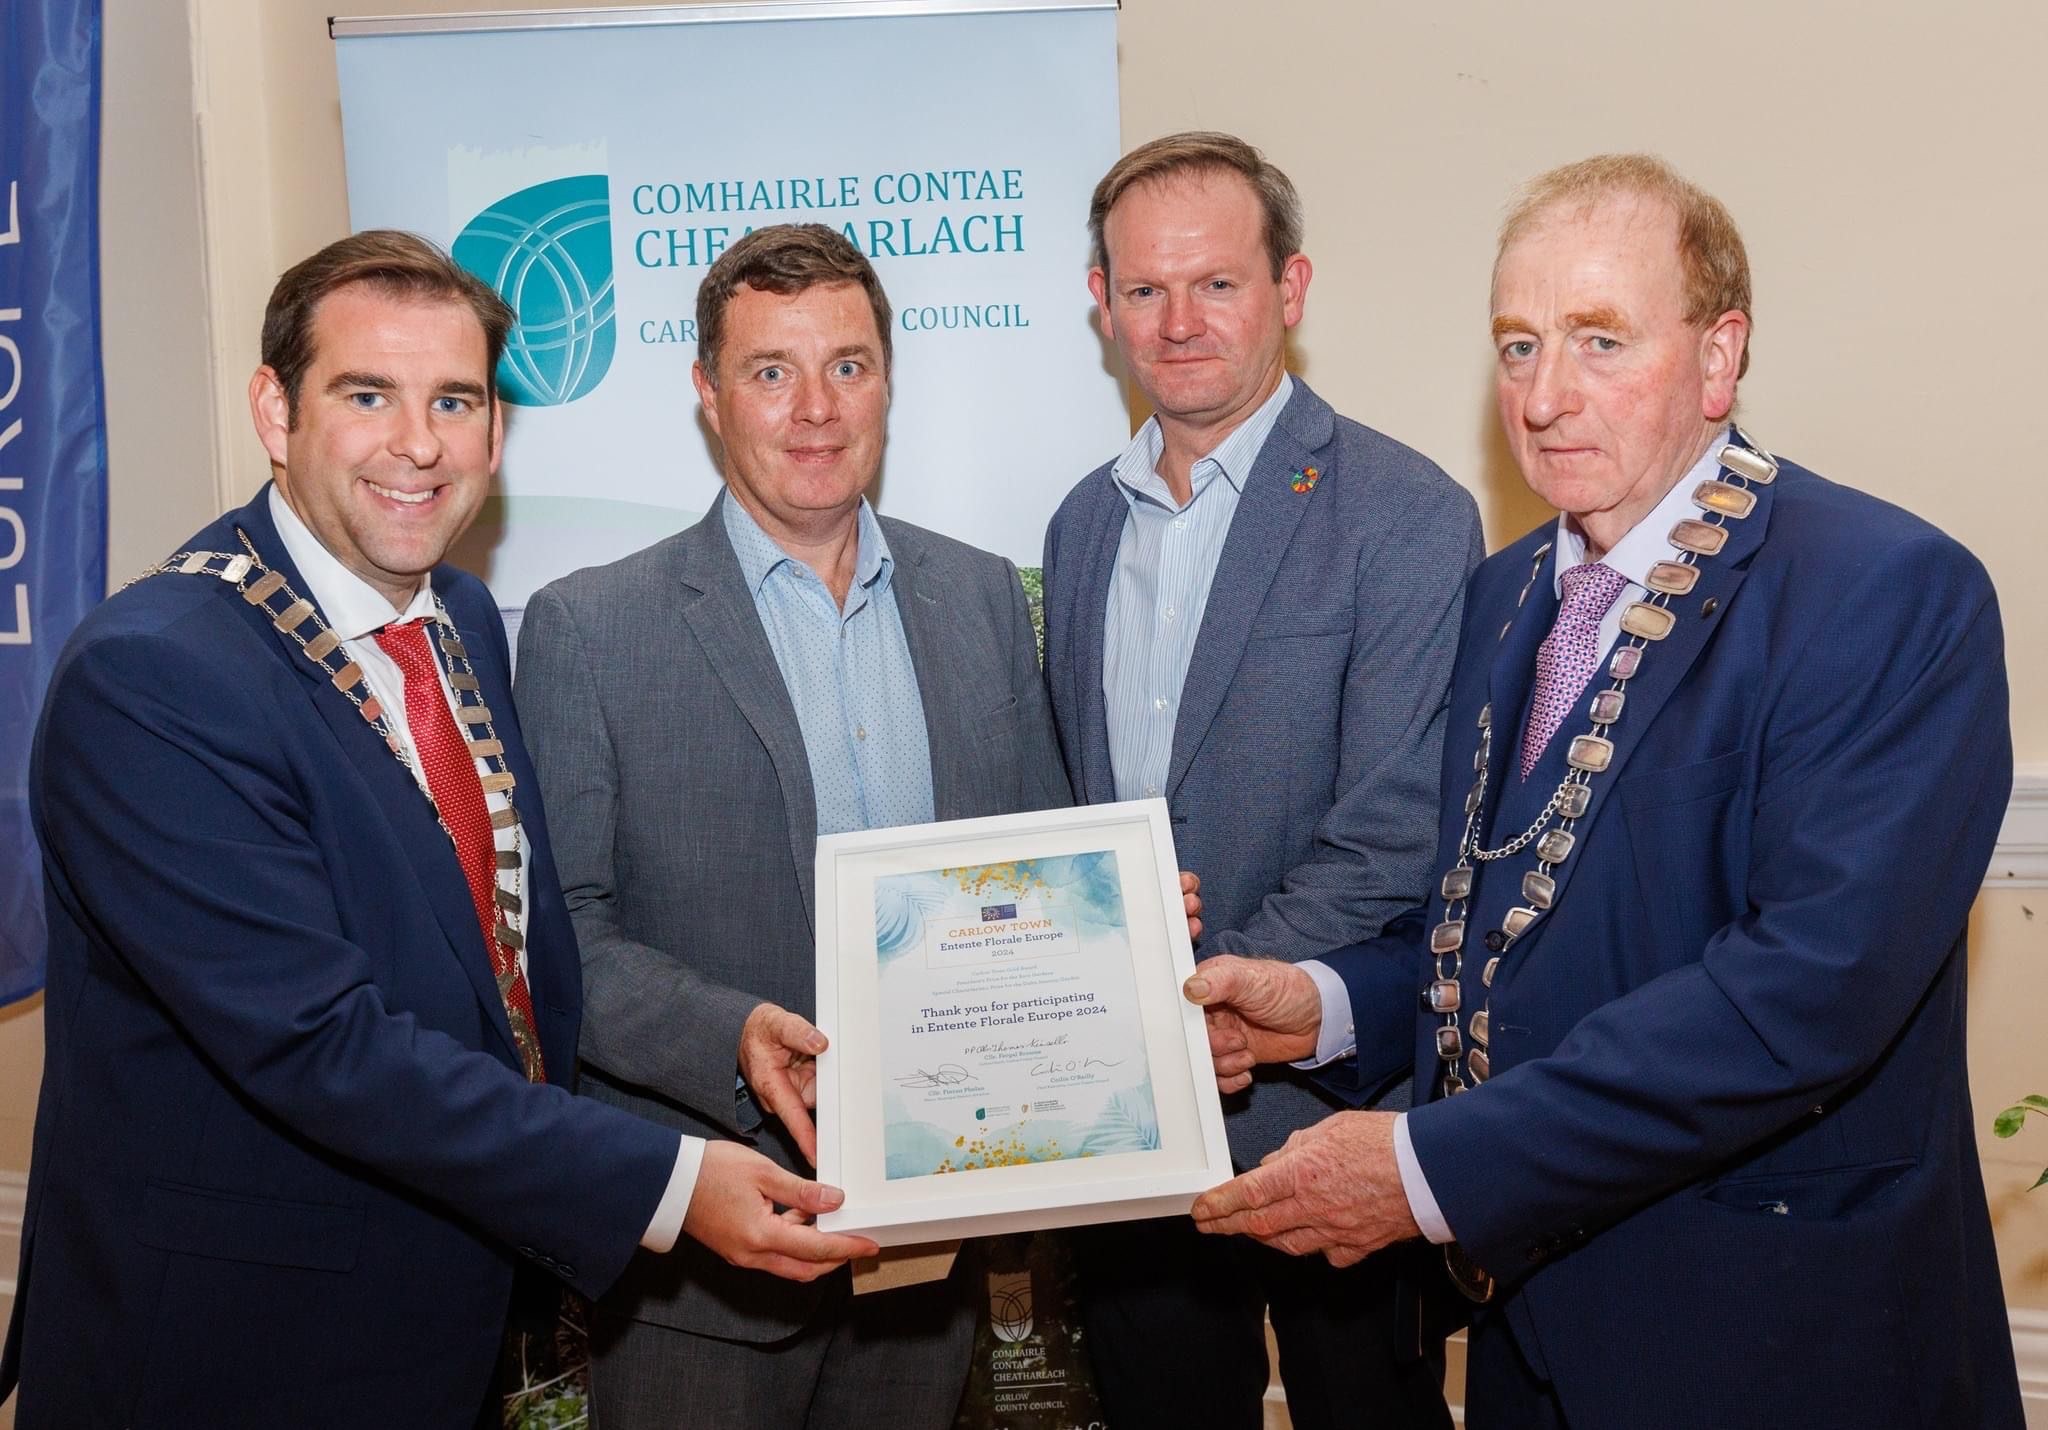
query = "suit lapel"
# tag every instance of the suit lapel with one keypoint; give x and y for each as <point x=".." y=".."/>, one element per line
<point x="495" y="685"/>
<point x="1508" y="680"/>
<point x="1664" y="666"/>
<point x="1268" y="512"/>
<point x="427" y="850"/>
<point x="1091" y="616"/>
<point x="921" y="609"/>
<point x="728" y="632"/>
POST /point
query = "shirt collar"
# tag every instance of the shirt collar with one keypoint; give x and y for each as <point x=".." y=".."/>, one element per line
<point x="351" y="606"/>
<point x="1137" y="469"/>
<point x="759" y="556"/>
<point x="1649" y="540"/>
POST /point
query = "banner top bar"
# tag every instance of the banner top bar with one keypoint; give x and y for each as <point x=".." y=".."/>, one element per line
<point x="342" y="27"/>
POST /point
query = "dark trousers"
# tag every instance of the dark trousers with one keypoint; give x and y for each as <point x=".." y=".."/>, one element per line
<point x="890" y="1358"/>
<point x="1175" y="1325"/>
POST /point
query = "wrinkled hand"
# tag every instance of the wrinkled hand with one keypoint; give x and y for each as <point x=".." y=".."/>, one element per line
<point x="778" y="1058"/>
<point x="1259" y="1010"/>
<point x="733" y="1210"/>
<point x="1334" y="1188"/>
<point x="1191" y="901"/>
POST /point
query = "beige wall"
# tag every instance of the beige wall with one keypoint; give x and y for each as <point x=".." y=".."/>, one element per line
<point x="1883" y="159"/>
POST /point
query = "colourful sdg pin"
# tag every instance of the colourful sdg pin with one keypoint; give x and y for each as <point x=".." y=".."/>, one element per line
<point x="1305" y="480"/>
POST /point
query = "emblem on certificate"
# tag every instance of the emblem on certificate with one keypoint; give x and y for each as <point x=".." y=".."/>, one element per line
<point x="1010" y="1048"/>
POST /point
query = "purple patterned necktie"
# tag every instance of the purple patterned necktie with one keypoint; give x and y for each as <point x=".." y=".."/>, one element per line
<point x="1569" y="654"/>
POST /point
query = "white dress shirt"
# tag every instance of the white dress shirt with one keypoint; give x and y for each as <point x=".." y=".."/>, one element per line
<point x="355" y="611"/>
<point x="1646" y="543"/>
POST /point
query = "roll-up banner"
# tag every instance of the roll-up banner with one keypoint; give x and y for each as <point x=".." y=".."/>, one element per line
<point x="592" y="163"/>
<point x="53" y="456"/>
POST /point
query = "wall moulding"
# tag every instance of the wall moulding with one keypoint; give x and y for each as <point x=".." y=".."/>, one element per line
<point x="2021" y="859"/>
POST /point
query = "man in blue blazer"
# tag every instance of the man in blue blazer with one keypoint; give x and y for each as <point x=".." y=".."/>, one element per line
<point x="1250" y="613"/>
<point x="313" y="994"/>
<point x="1693" y="971"/>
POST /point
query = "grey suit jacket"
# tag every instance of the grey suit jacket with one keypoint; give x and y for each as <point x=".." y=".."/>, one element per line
<point x="684" y="823"/>
<point x="1303" y="780"/>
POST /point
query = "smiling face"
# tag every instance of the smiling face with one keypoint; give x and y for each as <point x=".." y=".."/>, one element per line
<point x="800" y="405"/>
<point x="1607" y="394"/>
<point x="1190" y="300"/>
<point x="395" y="440"/>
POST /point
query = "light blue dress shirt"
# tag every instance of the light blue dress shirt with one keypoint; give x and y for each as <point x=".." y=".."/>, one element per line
<point x="1165" y="562"/>
<point x="848" y="673"/>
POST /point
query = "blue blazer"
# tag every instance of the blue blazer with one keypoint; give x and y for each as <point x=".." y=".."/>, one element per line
<point x="1725" y="1167"/>
<point x="1303" y="779"/>
<point x="285" y="1162"/>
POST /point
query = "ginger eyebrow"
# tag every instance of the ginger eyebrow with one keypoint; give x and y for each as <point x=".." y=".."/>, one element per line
<point x="1600" y="317"/>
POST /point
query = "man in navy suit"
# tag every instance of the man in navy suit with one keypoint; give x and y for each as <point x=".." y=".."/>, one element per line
<point x="1250" y="613"/>
<point x="313" y="994"/>
<point x="1692" y="972"/>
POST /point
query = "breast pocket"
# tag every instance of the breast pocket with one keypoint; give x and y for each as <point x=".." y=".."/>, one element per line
<point x="1302" y="625"/>
<point x="1690" y="850"/>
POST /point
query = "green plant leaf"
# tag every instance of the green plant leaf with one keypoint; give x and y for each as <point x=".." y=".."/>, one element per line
<point x="2008" y="1121"/>
<point x="2043" y="1180"/>
<point x="2035" y="1101"/>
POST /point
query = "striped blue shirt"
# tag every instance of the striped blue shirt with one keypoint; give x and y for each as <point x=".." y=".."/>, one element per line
<point x="848" y="673"/>
<point x="1165" y="562"/>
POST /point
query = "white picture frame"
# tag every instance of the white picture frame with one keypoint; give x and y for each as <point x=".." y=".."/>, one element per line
<point x="1026" y="1182"/>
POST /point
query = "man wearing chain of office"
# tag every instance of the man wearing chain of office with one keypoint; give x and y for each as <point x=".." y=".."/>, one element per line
<point x="1727" y="755"/>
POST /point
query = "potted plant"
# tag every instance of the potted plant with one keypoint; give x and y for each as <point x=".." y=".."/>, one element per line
<point x="2008" y="1122"/>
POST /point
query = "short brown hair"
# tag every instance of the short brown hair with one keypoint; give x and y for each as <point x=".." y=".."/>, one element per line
<point x="785" y="259"/>
<point x="1710" y="252"/>
<point x="1194" y="152"/>
<point x="401" y="264"/>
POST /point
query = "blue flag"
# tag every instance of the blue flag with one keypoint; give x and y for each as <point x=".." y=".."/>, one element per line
<point x="53" y="451"/>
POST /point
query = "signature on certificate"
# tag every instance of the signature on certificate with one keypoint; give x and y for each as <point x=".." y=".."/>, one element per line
<point x="944" y="1075"/>
<point x="1067" y="1065"/>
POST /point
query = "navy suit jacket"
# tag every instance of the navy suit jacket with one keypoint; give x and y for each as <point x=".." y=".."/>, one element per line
<point x="285" y="1160"/>
<point x="1725" y="1167"/>
<point x="1303" y="779"/>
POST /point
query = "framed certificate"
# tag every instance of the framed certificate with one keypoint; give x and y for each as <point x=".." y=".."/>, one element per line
<point x="1010" y="1048"/>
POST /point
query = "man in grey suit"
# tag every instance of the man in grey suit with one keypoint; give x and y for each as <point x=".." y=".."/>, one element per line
<point x="1251" y="612"/>
<point x="792" y="665"/>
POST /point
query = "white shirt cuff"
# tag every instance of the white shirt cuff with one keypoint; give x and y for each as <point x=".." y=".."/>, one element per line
<point x="675" y="1202"/>
<point x="1421" y="1201"/>
<point x="1337" y="1039"/>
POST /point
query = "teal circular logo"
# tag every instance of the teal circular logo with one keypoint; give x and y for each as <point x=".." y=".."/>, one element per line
<point x="548" y="252"/>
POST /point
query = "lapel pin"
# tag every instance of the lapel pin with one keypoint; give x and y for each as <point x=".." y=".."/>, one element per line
<point x="1305" y="479"/>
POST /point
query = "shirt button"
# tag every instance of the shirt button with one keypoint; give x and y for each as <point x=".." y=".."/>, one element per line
<point x="860" y="732"/>
<point x="1170" y="613"/>
<point x="1159" y="702"/>
<point x="1496" y="940"/>
<point x="1151" y="789"/>
<point x="1180" y="523"/>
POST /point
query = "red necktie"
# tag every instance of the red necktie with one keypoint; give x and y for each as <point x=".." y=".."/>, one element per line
<point x="459" y="794"/>
<point x="1567" y="658"/>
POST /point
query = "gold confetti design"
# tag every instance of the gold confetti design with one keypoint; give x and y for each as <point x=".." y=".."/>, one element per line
<point x="1013" y="1151"/>
<point x="1018" y="877"/>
